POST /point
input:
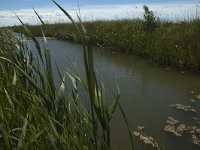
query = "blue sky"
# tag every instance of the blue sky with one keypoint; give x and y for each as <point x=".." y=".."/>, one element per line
<point x="24" y="4"/>
<point x="94" y="9"/>
<point x="21" y="4"/>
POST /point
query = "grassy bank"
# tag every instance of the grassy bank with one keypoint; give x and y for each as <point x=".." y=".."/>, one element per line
<point x="36" y="114"/>
<point x="166" y="43"/>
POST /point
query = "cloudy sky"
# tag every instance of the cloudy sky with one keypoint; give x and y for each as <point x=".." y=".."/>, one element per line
<point x="94" y="9"/>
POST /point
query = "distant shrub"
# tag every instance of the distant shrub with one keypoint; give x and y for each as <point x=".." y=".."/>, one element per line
<point x="149" y="19"/>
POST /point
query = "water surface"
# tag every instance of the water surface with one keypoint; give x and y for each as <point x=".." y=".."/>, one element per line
<point x="146" y="92"/>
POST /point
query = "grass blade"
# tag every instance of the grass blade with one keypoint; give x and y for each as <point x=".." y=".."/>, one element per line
<point x="9" y="99"/>
<point x="36" y="86"/>
<point x="23" y="134"/>
<point x="39" y="17"/>
<point x="67" y="14"/>
<point x="33" y="38"/>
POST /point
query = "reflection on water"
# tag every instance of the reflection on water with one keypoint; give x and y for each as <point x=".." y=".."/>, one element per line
<point x="146" y="93"/>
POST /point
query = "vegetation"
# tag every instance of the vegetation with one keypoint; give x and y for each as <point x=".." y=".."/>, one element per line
<point x="166" y="43"/>
<point x="35" y="114"/>
<point x="149" y="19"/>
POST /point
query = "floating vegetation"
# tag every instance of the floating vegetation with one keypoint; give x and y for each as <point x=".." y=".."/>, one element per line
<point x="145" y="138"/>
<point x="141" y="128"/>
<point x="178" y="129"/>
<point x="185" y="108"/>
<point x="173" y="127"/>
<point x="195" y="140"/>
<point x="195" y="133"/>
<point x="192" y="100"/>
<point x="195" y="118"/>
<point x="198" y="96"/>
<point x="172" y="121"/>
<point x="195" y="97"/>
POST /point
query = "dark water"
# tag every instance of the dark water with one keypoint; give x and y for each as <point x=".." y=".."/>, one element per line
<point x="146" y="93"/>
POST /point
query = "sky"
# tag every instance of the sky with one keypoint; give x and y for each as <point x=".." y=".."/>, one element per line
<point x="94" y="9"/>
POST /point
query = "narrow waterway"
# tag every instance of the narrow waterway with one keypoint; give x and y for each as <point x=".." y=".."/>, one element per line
<point x="146" y="92"/>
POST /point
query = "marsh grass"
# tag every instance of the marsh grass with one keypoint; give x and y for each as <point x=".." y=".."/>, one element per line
<point x="36" y="114"/>
<point x="174" y="44"/>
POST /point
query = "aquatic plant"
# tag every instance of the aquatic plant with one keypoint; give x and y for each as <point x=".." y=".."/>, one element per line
<point x="186" y="108"/>
<point x="37" y="114"/>
<point x="149" y="140"/>
<point x="179" y="129"/>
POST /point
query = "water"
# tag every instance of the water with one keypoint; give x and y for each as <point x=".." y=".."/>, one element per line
<point x="146" y="93"/>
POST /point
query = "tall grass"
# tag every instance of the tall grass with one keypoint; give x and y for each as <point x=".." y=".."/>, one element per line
<point x="170" y="44"/>
<point x="36" y="114"/>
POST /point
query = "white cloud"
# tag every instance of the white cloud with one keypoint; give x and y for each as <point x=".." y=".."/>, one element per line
<point x="166" y="11"/>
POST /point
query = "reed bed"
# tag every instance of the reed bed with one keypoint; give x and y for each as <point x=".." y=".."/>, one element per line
<point x="36" y="114"/>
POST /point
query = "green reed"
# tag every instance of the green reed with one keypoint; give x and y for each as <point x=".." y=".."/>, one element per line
<point x="35" y="113"/>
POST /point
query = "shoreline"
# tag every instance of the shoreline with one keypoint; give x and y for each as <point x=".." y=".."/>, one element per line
<point x="174" y="45"/>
